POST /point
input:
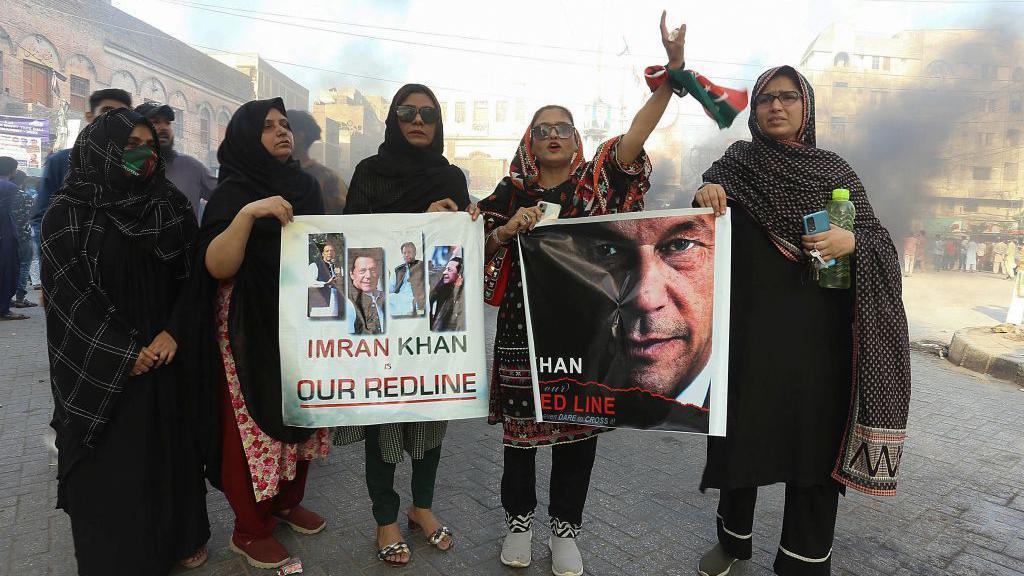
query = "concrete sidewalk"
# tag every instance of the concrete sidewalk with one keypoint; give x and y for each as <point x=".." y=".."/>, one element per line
<point x="989" y="352"/>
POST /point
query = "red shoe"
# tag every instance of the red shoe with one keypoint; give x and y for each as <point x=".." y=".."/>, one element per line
<point x="302" y="520"/>
<point x="261" y="553"/>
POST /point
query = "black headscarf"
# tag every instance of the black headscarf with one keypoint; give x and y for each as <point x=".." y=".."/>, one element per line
<point x="248" y="173"/>
<point x="402" y="178"/>
<point x="92" y="345"/>
<point x="778" y="182"/>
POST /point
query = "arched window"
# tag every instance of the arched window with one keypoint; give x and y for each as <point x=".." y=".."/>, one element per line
<point x="6" y="47"/>
<point x="940" y="69"/>
<point x="222" y="124"/>
<point x="180" y="106"/>
<point x="124" y="80"/>
<point x="842" y="60"/>
<point x="152" y="90"/>
<point x="81" y="74"/>
<point x="39" y="61"/>
<point x="205" y="122"/>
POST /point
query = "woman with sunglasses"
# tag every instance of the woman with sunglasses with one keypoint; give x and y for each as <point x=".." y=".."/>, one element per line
<point x="802" y="355"/>
<point x="409" y="174"/>
<point x="549" y="166"/>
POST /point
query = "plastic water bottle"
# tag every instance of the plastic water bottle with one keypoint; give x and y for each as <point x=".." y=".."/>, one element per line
<point x="840" y="213"/>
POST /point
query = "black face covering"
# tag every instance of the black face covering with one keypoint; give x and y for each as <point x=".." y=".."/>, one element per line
<point x="248" y="173"/>
<point x="402" y="177"/>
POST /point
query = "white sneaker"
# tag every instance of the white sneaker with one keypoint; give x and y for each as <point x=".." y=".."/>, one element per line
<point x="566" y="559"/>
<point x="517" y="549"/>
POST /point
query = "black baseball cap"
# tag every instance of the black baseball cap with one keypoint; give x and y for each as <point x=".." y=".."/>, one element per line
<point x="151" y="109"/>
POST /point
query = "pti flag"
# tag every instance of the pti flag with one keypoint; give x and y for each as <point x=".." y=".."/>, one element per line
<point x="628" y="319"/>
<point x="381" y="319"/>
<point x="721" y="104"/>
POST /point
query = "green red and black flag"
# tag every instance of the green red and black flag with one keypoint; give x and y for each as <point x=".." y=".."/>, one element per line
<point x="721" y="104"/>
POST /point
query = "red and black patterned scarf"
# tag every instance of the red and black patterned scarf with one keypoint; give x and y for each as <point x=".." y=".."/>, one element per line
<point x="523" y="175"/>
<point x="778" y="182"/>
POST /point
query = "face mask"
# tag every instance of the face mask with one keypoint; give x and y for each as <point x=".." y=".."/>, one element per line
<point x="139" y="162"/>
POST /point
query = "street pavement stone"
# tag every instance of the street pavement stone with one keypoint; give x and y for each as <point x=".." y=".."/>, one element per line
<point x="960" y="508"/>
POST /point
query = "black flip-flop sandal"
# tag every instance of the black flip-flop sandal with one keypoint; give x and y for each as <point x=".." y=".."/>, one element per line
<point x="396" y="549"/>
<point x="13" y="316"/>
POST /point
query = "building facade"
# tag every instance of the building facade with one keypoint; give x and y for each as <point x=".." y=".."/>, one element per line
<point x="267" y="81"/>
<point x="969" y="84"/>
<point x="53" y="54"/>
<point x="352" y="128"/>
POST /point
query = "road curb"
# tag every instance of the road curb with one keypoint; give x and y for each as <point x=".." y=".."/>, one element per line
<point x="982" y="350"/>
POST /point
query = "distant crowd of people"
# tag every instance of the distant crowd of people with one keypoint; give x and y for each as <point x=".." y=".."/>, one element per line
<point x="960" y="252"/>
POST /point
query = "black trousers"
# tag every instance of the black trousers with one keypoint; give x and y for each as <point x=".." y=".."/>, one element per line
<point x="808" y="526"/>
<point x="571" y="465"/>
<point x="380" y="480"/>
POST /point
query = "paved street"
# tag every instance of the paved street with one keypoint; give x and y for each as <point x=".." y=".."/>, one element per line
<point x="940" y="303"/>
<point x="960" y="510"/>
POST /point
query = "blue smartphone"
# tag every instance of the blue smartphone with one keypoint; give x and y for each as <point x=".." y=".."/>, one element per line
<point x="817" y="223"/>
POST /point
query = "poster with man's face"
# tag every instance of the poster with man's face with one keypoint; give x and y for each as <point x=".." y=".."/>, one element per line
<point x="628" y="319"/>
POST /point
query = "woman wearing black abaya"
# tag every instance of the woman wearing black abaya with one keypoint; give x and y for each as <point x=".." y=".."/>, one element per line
<point x="263" y="464"/>
<point x="819" y="379"/>
<point x="409" y="174"/>
<point x="117" y="247"/>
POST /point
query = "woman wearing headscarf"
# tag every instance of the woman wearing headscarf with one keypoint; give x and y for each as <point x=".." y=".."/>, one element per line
<point x="819" y="379"/>
<point x="549" y="166"/>
<point x="263" y="463"/>
<point x="117" y="248"/>
<point x="409" y="174"/>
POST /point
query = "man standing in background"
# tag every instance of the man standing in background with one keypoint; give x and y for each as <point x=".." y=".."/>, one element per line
<point x="187" y="174"/>
<point x="982" y="251"/>
<point x="332" y="188"/>
<point x="999" y="257"/>
<point x="9" y="260"/>
<point x="22" y="210"/>
<point x="909" y="252"/>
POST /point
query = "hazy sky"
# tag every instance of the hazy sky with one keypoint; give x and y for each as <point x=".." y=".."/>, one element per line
<point x="563" y="51"/>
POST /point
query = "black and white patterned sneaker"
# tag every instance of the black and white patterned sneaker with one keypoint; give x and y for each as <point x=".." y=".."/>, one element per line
<point x="517" y="549"/>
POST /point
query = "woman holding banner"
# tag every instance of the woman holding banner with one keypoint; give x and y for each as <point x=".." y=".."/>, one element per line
<point x="263" y="463"/>
<point x="548" y="166"/>
<point x="409" y="174"/>
<point x="819" y="379"/>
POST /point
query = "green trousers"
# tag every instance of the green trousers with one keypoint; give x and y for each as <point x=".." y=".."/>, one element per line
<point x="380" y="480"/>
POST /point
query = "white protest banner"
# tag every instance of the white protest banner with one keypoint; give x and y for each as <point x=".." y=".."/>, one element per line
<point x="381" y="319"/>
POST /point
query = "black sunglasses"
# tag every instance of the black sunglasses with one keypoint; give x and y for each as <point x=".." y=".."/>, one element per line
<point x="543" y="130"/>
<point x="787" y="97"/>
<point x="407" y="113"/>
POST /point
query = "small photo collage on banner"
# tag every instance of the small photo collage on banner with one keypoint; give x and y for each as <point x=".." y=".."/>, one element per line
<point x="447" y="302"/>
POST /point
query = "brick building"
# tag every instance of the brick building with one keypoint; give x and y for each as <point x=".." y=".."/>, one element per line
<point x="353" y="127"/>
<point x="54" y="53"/>
<point x="267" y="81"/>
<point x="976" y="181"/>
